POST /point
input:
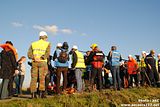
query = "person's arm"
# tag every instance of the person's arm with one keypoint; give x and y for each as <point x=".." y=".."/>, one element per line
<point x="120" y="58"/>
<point x="30" y="53"/>
<point x="74" y="56"/>
<point x="109" y="56"/>
<point x="90" y="57"/>
<point x="146" y="61"/>
<point x="54" y="55"/>
<point x="13" y="60"/>
<point x="47" y="53"/>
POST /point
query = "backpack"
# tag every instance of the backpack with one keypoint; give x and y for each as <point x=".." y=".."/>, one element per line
<point x="63" y="57"/>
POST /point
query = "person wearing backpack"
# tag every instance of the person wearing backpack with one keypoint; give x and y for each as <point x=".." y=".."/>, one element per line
<point x="61" y="58"/>
<point x="96" y="58"/>
<point x="114" y="57"/>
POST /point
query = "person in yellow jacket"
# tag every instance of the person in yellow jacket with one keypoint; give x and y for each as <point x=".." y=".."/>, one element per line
<point x="38" y="52"/>
<point x="142" y="67"/>
<point x="79" y="65"/>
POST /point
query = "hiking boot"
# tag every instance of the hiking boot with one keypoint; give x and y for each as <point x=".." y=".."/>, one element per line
<point x="42" y="94"/>
<point x="33" y="95"/>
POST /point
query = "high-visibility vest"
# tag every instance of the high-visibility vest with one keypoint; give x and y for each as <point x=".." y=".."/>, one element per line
<point x="80" y="60"/>
<point x="142" y="63"/>
<point x="39" y="48"/>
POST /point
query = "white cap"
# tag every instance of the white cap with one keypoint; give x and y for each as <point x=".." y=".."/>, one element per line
<point x="42" y="33"/>
<point x="158" y="55"/>
<point x="59" y="44"/>
<point x="129" y="55"/>
<point x="74" y="47"/>
<point x="143" y="52"/>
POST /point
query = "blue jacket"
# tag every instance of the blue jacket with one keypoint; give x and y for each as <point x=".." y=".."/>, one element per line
<point x="115" y="58"/>
<point x="56" y="62"/>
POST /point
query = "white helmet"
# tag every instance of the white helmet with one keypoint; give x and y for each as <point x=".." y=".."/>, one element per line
<point x="130" y="56"/>
<point x="74" y="47"/>
<point x="59" y="44"/>
<point x="143" y="52"/>
<point x="42" y="33"/>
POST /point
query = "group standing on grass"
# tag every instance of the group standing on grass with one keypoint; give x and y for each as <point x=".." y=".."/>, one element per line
<point x="89" y="72"/>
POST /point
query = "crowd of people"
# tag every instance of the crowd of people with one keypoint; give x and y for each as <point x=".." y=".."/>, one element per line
<point x="89" y="71"/>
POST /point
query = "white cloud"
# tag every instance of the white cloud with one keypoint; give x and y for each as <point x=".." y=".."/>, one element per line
<point x="17" y="24"/>
<point x="52" y="28"/>
<point x="84" y="34"/>
<point x="66" y="31"/>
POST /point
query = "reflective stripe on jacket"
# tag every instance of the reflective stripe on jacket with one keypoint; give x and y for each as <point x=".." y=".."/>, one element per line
<point x="39" y="48"/>
<point x="80" y="60"/>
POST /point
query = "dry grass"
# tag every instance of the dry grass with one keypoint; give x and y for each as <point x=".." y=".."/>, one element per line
<point x="107" y="98"/>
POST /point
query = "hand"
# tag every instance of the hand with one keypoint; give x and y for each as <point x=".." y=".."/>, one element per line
<point x="16" y="72"/>
<point x="149" y="66"/>
<point x="37" y="59"/>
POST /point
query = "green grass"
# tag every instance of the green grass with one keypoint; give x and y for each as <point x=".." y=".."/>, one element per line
<point x="107" y="98"/>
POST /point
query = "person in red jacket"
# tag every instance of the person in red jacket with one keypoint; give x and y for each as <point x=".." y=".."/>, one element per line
<point x="132" y="70"/>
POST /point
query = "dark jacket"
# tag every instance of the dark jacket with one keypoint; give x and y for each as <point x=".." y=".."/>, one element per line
<point x="92" y="54"/>
<point x="74" y="59"/>
<point x="150" y="60"/>
<point x="8" y="64"/>
<point x="159" y="65"/>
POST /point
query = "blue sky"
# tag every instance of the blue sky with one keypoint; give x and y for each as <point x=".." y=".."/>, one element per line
<point x="132" y="25"/>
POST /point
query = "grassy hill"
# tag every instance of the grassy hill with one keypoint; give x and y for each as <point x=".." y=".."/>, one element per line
<point x="106" y="98"/>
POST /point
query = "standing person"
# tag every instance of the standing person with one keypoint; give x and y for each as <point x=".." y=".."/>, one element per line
<point x="79" y="65"/>
<point x="22" y="71"/>
<point x="132" y="70"/>
<point x="39" y="51"/>
<point x="8" y="69"/>
<point x="151" y="68"/>
<point x="114" y="57"/>
<point x="61" y="59"/>
<point x="87" y="73"/>
<point x="96" y="58"/>
<point x="142" y="67"/>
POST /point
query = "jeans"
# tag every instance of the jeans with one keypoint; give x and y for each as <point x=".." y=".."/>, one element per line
<point x="64" y="71"/>
<point x="116" y="76"/>
<point x="19" y="82"/>
<point x="78" y="74"/>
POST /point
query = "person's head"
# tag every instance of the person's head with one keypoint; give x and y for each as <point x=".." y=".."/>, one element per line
<point x="65" y="46"/>
<point x="74" y="48"/>
<point x="94" y="46"/>
<point x="152" y="52"/>
<point x="59" y="45"/>
<point x="130" y="57"/>
<point x="144" y="54"/>
<point x="158" y="56"/>
<point x="43" y="35"/>
<point x="113" y="48"/>
<point x="22" y="59"/>
<point x="9" y="42"/>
